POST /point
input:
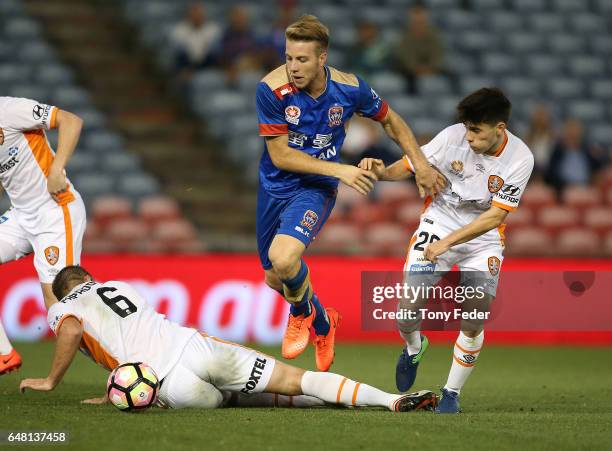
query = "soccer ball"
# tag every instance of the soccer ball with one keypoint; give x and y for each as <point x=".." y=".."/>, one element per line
<point x="132" y="386"/>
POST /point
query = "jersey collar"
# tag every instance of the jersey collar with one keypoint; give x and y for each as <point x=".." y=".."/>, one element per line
<point x="327" y="78"/>
<point x="502" y="146"/>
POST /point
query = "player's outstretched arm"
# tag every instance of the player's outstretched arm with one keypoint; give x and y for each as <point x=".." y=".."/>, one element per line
<point x="69" y="129"/>
<point x="288" y="159"/>
<point x="489" y="220"/>
<point x="391" y="173"/>
<point x="429" y="181"/>
<point x="68" y="339"/>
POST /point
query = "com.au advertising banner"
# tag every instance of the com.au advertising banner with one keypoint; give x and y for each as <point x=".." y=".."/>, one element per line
<point x="540" y="301"/>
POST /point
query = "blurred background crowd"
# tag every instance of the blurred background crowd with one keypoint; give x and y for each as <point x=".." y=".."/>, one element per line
<point x="168" y="158"/>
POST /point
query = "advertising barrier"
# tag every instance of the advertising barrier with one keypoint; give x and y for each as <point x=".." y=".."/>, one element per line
<point x="224" y="295"/>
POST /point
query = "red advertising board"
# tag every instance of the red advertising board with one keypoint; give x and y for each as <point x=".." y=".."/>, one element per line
<point x="224" y="295"/>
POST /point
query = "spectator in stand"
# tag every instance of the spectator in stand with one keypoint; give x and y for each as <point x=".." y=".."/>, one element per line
<point x="364" y="139"/>
<point x="369" y="54"/>
<point x="194" y="40"/>
<point x="573" y="161"/>
<point x="420" y="51"/>
<point x="540" y="138"/>
<point x="239" y="45"/>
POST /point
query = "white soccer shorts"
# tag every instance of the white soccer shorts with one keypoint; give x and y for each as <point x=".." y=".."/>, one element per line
<point x="209" y="367"/>
<point x="55" y="235"/>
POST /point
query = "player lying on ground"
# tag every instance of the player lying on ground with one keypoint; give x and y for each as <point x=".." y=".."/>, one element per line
<point x="487" y="169"/>
<point x="113" y="324"/>
<point x="47" y="215"/>
<point x="304" y="107"/>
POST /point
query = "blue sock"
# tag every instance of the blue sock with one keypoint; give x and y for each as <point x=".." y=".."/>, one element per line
<point x="302" y="307"/>
<point x="320" y="323"/>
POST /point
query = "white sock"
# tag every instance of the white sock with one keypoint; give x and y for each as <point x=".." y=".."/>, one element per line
<point x="275" y="400"/>
<point x="5" y="344"/>
<point x="413" y="341"/>
<point x="336" y="389"/>
<point x="465" y="354"/>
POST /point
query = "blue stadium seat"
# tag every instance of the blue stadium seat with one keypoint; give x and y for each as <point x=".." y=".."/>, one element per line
<point x="427" y="125"/>
<point x="387" y="84"/>
<point x="461" y="63"/>
<point x="588" y="23"/>
<point x="601" y="134"/>
<point x="520" y="87"/>
<point x="434" y="85"/>
<point x="36" y="52"/>
<point x="93" y="184"/>
<point x="383" y="17"/>
<point x="102" y="141"/>
<point x="208" y="80"/>
<point x="603" y="6"/>
<point x="586" y="110"/>
<point x="344" y="36"/>
<point x="500" y="64"/>
<point x="35" y="92"/>
<point x="248" y="80"/>
<point x="569" y="6"/>
<point x="92" y="119"/>
<point x="14" y="73"/>
<point x="332" y="14"/>
<point x="53" y="74"/>
<point x="477" y="41"/>
<point x="12" y="8"/>
<point x="120" y="162"/>
<point x="137" y="185"/>
<point x="563" y="43"/>
<point x="471" y="84"/>
<point x="502" y="21"/>
<point x="445" y="107"/>
<point x="544" y="65"/>
<point x="601" y="89"/>
<point x="71" y="97"/>
<point x="529" y="5"/>
<point x="586" y="66"/>
<point x="546" y="22"/>
<point x="82" y="162"/>
<point x="409" y="106"/>
<point x="224" y="103"/>
<point x="522" y="43"/>
<point x="565" y="88"/>
<point x="601" y="44"/>
<point x="487" y="5"/>
<point x="20" y="29"/>
<point x="459" y="20"/>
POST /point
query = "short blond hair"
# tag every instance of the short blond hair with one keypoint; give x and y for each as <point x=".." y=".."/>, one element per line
<point x="309" y="28"/>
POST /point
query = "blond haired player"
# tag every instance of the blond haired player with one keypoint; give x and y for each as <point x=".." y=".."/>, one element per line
<point x="487" y="169"/>
<point x="111" y="323"/>
<point x="47" y="216"/>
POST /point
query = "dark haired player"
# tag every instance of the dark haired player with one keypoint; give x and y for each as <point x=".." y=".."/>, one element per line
<point x="487" y="169"/>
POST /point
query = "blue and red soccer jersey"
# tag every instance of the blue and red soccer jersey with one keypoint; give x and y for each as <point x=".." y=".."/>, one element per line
<point x="315" y="126"/>
<point x="299" y="204"/>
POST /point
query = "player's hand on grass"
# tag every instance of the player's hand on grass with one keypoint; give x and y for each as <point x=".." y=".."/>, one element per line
<point x="36" y="384"/>
<point x="57" y="183"/>
<point x="357" y="178"/>
<point x="434" y="250"/>
<point x="97" y="401"/>
<point x="429" y="181"/>
<point x="375" y="165"/>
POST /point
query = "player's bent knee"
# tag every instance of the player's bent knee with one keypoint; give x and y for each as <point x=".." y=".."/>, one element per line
<point x="285" y="380"/>
<point x="284" y="264"/>
<point x="7" y="253"/>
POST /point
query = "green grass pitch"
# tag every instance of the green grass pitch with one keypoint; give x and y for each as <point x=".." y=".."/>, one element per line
<point x="536" y="398"/>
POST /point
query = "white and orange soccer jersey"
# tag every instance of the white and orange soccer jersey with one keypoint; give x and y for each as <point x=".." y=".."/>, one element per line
<point x="475" y="181"/>
<point x="25" y="154"/>
<point x="119" y="326"/>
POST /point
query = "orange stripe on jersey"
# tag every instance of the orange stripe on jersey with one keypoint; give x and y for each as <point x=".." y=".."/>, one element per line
<point x="68" y="227"/>
<point x="503" y="206"/>
<point x="355" y="393"/>
<point x="407" y="163"/>
<point x="465" y="351"/>
<point x="273" y="129"/>
<point x="340" y="390"/>
<point x="40" y="148"/>
<point x="65" y="317"/>
<point x="427" y="203"/>
<point x="467" y="365"/>
<point x="97" y="352"/>
<point x="44" y="157"/>
<point x="502" y="234"/>
<point x="501" y="148"/>
<point x="53" y="123"/>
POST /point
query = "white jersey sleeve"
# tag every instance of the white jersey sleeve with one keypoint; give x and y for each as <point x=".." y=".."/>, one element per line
<point x="58" y="313"/>
<point x="26" y="114"/>
<point x="514" y="184"/>
<point x="433" y="150"/>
